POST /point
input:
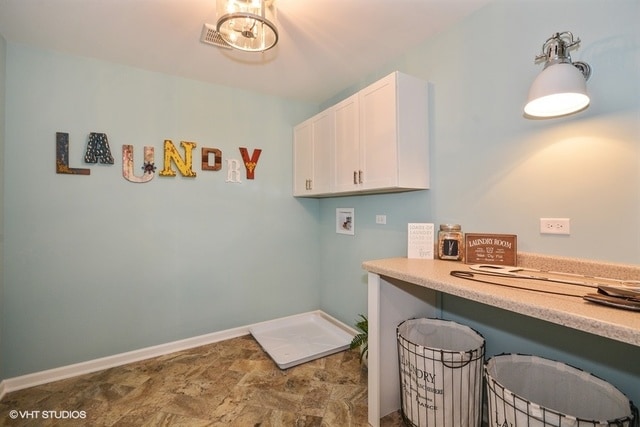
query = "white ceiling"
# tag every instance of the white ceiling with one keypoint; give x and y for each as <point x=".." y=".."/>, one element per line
<point x="324" y="47"/>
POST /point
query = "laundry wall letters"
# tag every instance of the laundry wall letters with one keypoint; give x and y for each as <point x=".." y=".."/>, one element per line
<point x="99" y="151"/>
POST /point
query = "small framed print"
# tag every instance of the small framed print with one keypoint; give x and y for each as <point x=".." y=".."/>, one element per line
<point x="345" y="221"/>
<point x="498" y="249"/>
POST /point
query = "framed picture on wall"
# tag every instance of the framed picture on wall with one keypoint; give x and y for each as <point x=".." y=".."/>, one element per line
<point x="345" y="221"/>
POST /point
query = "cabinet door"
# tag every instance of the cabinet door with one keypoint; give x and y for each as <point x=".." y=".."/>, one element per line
<point x="323" y="137"/>
<point x="302" y="158"/>
<point x="347" y="145"/>
<point x="378" y="134"/>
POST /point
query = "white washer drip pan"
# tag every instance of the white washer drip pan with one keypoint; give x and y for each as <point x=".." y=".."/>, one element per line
<point x="293" y="340"/>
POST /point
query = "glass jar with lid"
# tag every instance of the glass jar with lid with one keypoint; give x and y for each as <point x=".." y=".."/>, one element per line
<point x="450" y="242"/>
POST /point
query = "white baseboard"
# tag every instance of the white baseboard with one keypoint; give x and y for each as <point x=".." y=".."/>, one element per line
<point x="63" y="372"/>
<point x="55" y="374"/>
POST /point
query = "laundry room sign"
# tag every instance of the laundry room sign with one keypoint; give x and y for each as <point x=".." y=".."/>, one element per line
<point x="98" y="151"/>
<point x="500" y="249"/>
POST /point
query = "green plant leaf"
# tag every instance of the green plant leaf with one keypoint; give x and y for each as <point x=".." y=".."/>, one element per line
<point x="363" y="324"/>
<point x="359" y="340"/>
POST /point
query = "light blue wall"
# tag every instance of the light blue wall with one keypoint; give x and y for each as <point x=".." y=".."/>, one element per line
<point x="97" y="265"/>
<point x="344" y="282"/>
<point x="494" y="171"/>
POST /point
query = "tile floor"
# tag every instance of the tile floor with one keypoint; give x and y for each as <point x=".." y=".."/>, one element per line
<point x="229" y="383"/>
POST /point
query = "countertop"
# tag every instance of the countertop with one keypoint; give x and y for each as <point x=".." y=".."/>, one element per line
<point x="572" y="312"/>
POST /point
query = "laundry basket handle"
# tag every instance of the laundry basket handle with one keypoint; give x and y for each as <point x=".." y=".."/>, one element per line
<point x="458" y="365"/>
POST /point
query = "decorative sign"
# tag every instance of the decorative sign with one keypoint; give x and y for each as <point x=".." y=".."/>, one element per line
<point x="420" y="240"/>
<point x="499" y="249"/>
<point x="98" y="150"/>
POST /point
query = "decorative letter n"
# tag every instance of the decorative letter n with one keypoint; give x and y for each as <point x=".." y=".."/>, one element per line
<point x="171" y="153"/>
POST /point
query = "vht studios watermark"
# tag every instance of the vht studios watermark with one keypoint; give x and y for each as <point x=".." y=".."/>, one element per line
<point x="44" y="415"/>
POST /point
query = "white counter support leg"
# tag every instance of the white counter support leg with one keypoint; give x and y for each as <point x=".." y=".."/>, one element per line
<point x="390" y="302"/>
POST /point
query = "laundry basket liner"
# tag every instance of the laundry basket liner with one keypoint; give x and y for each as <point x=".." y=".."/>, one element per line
<point x="440" y="371"/>
<point x="531" y="391"/>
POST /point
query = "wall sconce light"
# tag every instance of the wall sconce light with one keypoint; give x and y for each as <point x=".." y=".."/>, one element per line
<point x="247" y="25"/>
<point x="560" y="88"/>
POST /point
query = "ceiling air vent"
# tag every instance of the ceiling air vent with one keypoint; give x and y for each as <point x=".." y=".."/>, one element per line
<point x="211" y="36"/>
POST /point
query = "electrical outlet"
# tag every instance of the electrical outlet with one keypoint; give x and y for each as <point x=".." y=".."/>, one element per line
<point x="381" y="219"/>
<point x="555" y="226"/>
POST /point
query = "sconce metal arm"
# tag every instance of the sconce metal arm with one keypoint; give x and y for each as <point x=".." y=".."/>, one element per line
<point x="556" y="51"/>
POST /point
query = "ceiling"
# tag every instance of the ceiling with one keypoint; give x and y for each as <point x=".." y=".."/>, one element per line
<point x="324" y="46"/>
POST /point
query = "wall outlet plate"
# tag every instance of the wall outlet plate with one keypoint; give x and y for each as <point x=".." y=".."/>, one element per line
<point x="555" y="226"/>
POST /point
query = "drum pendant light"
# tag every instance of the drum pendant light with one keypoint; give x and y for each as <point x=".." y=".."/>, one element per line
<point x="247" y="25"/>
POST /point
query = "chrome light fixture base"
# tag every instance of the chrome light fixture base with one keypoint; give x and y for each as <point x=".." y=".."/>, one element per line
<point x="247" y="25"/>
<point x="560" y="88"/>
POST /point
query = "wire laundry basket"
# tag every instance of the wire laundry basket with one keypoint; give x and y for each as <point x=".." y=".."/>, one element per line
<point x="530" y="391"/>
<point x="440" y="365"/>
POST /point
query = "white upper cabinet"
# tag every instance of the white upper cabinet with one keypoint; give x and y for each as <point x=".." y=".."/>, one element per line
<point x="378" y="139"/>
<point x="313" y="152"/>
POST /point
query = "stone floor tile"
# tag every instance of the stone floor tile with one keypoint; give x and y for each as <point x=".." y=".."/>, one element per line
<point x="229" y="383"/>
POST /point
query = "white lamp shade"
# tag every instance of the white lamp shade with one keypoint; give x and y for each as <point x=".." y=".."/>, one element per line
<point x="558" y="90"/>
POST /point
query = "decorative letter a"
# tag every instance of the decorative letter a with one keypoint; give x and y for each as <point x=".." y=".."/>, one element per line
<point x="98" y="149"/>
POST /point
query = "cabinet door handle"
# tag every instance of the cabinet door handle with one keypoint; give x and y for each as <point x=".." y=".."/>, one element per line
<point x="360" y="177"/>
<point x="355" y="177"/>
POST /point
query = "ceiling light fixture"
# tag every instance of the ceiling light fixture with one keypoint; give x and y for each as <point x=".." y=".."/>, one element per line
<point x="247" y="25"/>
<point x="560" y="88"/>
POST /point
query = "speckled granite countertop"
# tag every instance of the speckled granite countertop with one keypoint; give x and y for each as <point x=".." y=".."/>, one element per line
<point x="572" y="312"/>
